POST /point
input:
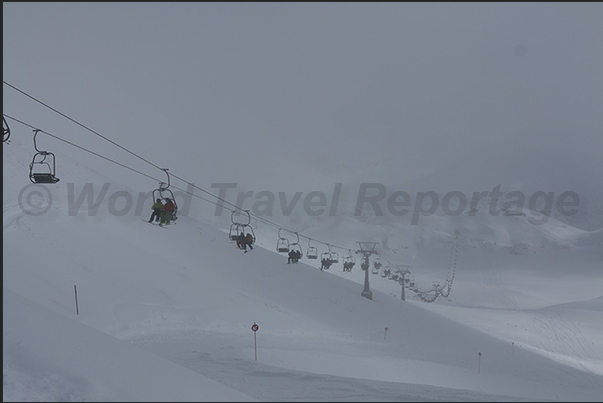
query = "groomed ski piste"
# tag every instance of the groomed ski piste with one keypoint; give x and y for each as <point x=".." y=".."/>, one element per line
<point x="167" y="315"/>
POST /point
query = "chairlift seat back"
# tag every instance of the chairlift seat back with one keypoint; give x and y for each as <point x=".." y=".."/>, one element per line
<point x="312" y="254"/>
<point x="282" y="245"/>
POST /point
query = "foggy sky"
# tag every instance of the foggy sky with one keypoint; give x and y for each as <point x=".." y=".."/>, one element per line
<point x="302" y="94"/>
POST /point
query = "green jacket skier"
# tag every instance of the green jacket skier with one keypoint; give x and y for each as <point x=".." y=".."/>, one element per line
<point x="157" y="208"/>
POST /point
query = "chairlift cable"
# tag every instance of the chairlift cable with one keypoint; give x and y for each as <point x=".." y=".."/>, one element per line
<point x="102" y="156"/>
<point x="158" y="180"/>
<point x="80" y="147"/>
<point x="423" y="294"/>
<point x="79" y="124"/>
<point x="143" y="159"/>
<point x="109" y="140"/>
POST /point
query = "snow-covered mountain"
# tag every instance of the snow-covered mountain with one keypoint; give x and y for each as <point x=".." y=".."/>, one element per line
<point x="100" y="306"/>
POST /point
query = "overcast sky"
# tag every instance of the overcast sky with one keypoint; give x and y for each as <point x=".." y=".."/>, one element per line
<point x="293" y="91"/>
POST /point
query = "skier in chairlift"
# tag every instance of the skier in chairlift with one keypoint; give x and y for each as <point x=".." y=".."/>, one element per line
<point x="157" y="208"/>
<point x="249" y="241"/>
<point x="169" y="212"/>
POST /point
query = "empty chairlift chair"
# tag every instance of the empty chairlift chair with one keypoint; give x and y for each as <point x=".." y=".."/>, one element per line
<point x="282" y="244"/>
<point x="48" y="169"/>
<point x="334" y="256"/>
<point x="312" y="252"/>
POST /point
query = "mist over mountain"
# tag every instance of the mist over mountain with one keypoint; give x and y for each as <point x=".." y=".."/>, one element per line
<point x="462" y="140"/>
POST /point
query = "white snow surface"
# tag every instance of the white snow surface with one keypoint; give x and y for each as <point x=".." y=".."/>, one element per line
<point x="166" y="314"/>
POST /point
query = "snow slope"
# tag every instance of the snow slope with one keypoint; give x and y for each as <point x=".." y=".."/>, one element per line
<point x="165" y="314"/>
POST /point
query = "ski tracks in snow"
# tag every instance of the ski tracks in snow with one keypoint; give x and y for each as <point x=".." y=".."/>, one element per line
<point x="12" y="216"/>
<point x="562" y="337"/>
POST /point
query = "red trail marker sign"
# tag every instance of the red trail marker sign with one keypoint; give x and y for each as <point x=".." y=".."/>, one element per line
<point x="255" y="328"/>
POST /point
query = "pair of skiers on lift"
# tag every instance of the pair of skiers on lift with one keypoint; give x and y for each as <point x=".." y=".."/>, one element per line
<point x="163" y="213"/>
<point x="294" y="256"/>
<point x="243" y="241"/>
<point x="347" y="266"/>
<point x="325" y="263"/>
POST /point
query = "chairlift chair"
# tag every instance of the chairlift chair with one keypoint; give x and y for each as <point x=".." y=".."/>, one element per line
<point x="312" y="252"/>
<point x="333" y="256"/>
<point x="39" y="159"/>
<point x="240" y="226"/>
<point x="376" y="265"/>
<point x="6" y="130"/>
<point x="296" y="247"/>
<point x="245" y="230"/>
<point x="236" y="230"/>
<point x="349" y="259"/>
<point x="163" y="192"/>
<point x="349" y="262"/>
<point x="282" y="244"/>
